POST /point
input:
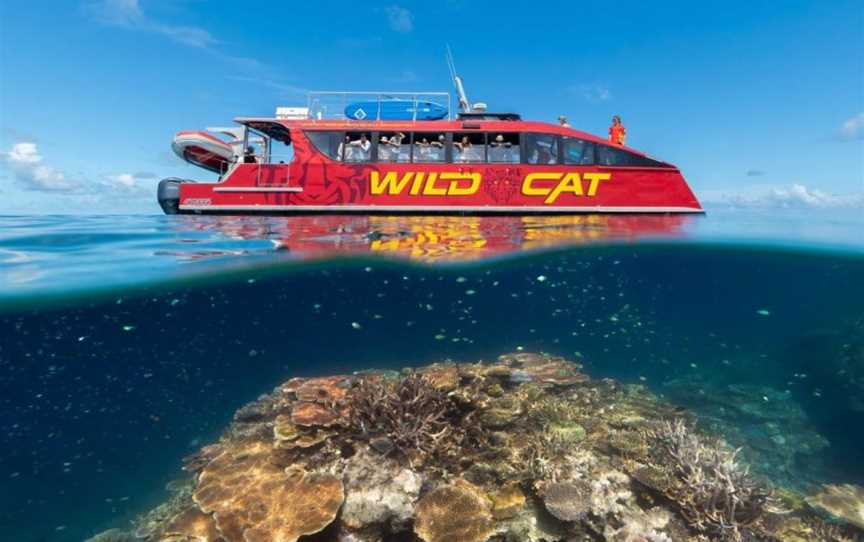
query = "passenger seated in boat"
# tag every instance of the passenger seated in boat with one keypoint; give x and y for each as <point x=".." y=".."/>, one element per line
<point x="499" y="150"/>
<point x="435" y="152"/>
<point x="385" y="152"/>
<point x="395" y="145"/>
<point x="249" y="156"/>
<point x="464" y="149"/>
<point x="396" y="139"/>
<point x="423" y="148"/>
<point x="361" y="149"/>
<point x="345" y="150"/>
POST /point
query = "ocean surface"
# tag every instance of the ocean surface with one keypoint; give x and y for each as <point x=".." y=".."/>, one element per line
<point x="127" y="342"/>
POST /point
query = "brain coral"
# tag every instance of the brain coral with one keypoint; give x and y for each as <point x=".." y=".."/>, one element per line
<point x="252" y="500"/>
<point x="454" y="512"/>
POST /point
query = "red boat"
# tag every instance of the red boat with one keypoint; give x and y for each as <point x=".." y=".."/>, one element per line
<point x="404" y="153"/>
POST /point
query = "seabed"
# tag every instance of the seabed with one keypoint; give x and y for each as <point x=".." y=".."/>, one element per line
<point x="527" y="448"/>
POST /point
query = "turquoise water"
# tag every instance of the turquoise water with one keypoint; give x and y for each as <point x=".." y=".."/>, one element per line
<point x="127" y="342"/>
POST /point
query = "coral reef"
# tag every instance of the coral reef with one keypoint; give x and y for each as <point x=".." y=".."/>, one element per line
<point x="778" y="438"/>
<point x="412" y="413"/>
<point x="716" y="494"/>
<point x="380" y="494"/>
<point x="457" y="511"/>
<point x="845" y="502"/>
<point x="524" y="449"/>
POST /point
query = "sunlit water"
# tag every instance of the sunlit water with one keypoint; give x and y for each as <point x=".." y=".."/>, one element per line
<point x="128" y="342"/>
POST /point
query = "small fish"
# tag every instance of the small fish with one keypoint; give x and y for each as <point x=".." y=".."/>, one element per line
<point x="356" y="325"/>
<point x="763" y="312"/>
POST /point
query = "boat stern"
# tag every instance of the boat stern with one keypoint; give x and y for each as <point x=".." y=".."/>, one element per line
<point x="168" y="195"/>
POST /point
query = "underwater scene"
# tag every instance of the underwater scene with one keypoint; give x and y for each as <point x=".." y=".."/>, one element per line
<point x="363" y="379"/>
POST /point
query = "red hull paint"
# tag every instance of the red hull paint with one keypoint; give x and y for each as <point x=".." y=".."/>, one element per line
<point x="312" y="182"/>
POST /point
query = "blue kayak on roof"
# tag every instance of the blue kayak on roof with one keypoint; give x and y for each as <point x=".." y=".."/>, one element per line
<point x="395" y="110"/>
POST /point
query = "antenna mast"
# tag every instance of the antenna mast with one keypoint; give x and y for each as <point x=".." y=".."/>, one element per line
<point x="464" y="104"/>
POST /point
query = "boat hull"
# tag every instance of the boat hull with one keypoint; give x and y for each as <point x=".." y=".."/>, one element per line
<point x="313" y="182"/>
<point x="446" y="189"/>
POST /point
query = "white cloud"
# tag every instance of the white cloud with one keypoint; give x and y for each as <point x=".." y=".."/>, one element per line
<point x="794" y="196"/>
<point x="401" y="20"/>
<point x="853" y="128"/>
<point x="128" y="14"/>
<point x="26" y="165"/>
<point x="125" y="183"/>
<point x="123" y="179"/>
<point x="592" y="92"/>
<point x="24" y="153"/>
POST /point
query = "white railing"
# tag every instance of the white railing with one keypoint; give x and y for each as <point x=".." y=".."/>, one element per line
<point x="333" y="105"/>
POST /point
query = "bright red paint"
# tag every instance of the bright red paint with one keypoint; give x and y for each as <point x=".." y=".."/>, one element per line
<point x="312" y="182"/>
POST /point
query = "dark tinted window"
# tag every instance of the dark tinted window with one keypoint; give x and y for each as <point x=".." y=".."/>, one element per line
<point x="611" y="156"/>
<point x="541" y="148"/>
<point x="578" y="151"/>
<point x="327" y="143"/>
<point x="504" y="148"/>
<point x="430" y="147"/>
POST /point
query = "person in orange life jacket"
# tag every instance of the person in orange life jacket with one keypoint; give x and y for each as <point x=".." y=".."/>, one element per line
<point x="617" y="132"/>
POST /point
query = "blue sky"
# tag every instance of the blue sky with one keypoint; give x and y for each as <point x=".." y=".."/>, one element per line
<point x="747" y="98"/>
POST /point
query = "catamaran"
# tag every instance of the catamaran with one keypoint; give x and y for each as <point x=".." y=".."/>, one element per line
<point x="391" y="152"/>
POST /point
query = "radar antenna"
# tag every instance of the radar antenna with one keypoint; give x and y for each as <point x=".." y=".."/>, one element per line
<point x="464" y="104"/>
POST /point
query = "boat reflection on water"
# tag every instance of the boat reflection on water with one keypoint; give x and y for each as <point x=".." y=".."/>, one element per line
<point x="431" y="238"/>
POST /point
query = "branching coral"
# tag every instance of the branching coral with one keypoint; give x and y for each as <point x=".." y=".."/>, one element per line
<point x="416" y="416"/>
<point x="716" y="494"/>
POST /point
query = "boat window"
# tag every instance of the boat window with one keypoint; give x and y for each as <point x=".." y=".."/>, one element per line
<point x="394" y="147"/>
<point x="469" y="147"/>
<point x="255" y="151"/>
<point x="611" y="156"/>
<point x="327" y="143"/>
<point x="429" y="147"/>
<point x="281" y="151"/>
<point x="541" y="148"/>
<point x="357" y="147"/>
<point x="504" y="148"/>
<point x="578" y="151"/>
